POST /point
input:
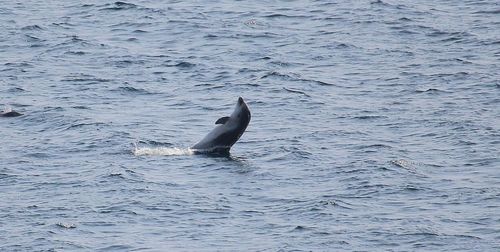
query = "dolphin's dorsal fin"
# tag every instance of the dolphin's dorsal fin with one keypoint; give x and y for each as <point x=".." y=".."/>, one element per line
<point x="222" y="120"/>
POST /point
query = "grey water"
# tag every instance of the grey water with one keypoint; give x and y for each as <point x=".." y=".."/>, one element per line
<point x="375" y="125"/>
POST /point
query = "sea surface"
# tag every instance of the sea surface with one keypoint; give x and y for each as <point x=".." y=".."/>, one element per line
<point x="375" y="125"/>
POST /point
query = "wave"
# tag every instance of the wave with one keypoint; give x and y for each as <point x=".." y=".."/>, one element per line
<point x="161" y="151"/>
<point x="119" y="6"/>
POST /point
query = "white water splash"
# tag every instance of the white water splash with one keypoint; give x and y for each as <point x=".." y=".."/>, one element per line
<point x="161" y="151"/>
<point x="7" y="109"/>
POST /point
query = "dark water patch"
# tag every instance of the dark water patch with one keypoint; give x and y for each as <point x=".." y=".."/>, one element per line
<point x="379" y="2"/>
<point x="208" y="85"/>
<point x="97" y="223"/>
<point x="84" y="78"/>
<point x="117" y="247"/>
<point x="491" y="42"/>
<point x="455" y="60"/>
<point x="38" y="155"/>
<point x="454" y="39"/>
<point x="155" y="143"/>
<point x="280" y="63"/>
<point x="451" y="36"/>
<point x="437" y="33"/>
<point x="458" y="75"/>
<point x="293" y="77"/>
<point x="406" y="31"/>
<point x="15" y="90"/>
<point x="298" y="152"/>
<point x="369" y="117"/>
<point x="334" y="204"/>
<point x="115" y="175"/>
<point x="128" y="63"/>
<point x="5" y="11"/>
<point x="300" y="228"/>
<point x="296" y="91"/>
<point x="34" y="45"/>
<point x="285" y="16"/>
<point x="482" y="162"/>
<point x="219" y="76"/>
<point x="64" y="25"/>
<point x="412" y="188"/>
<point x="131" y="24"/>
<point x="375" y="146"/>
<point x="210" y="36"/>
<point x="431" y="91"/>
<point x="250" y="213"/>
<point x="496" y="11"/>
<point x="343" y="46"/>
<point x="261" y="35"/>
<point x="32" y="39"/>
<point x="118" y="6"/>
<point x="79" y="53"/>
<point x="184" y="64"/>
<point x="132" y="90"/>
<point x="75" y="39"/>
<point x="32" y="28"/>
<point x="178" y="21"/>
<point x="4" y="177"/>
<point x="251" y="84"/>
<point x="117" y="210"/>
<point x="466" y="143"/>
<point x="119" y="30"/>
<point x="33" y="207"/>
<point x="71" y="42"/>
<point x="79" y="125"/>
<point x="250" y="70"/>
<point x="81" y="107"/>
<point x="22" y="64"/>
<point x="289" y="76"/>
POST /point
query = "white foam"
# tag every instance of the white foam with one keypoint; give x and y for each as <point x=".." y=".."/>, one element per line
<point x="7" y="109"/>
<point x="161" y="151"/>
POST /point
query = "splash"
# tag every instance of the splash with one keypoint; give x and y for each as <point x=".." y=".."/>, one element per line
<point x="161" y="151"/>
<point x="7" y="109"/>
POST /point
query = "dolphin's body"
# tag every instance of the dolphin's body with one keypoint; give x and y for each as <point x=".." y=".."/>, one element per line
<point x="228" y="130"/>
<point x="8" y="112"/>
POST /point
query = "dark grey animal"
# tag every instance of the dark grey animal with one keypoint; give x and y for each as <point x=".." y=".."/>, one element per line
<point x="228" y="130"/>
<point x="9" y="113"/>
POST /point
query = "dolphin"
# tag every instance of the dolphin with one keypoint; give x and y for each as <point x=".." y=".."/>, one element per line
<point x="228" y="130"/>
<point x="8" y="112"/>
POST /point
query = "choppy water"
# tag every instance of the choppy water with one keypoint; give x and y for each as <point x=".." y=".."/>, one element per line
<point x="375" y="125"/>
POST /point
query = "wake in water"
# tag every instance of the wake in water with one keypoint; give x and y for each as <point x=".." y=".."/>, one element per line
<point x="6" y="109"/>
<point x="161" y="151"/>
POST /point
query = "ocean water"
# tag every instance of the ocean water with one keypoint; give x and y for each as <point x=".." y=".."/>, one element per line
<point x="375" y="125"/>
